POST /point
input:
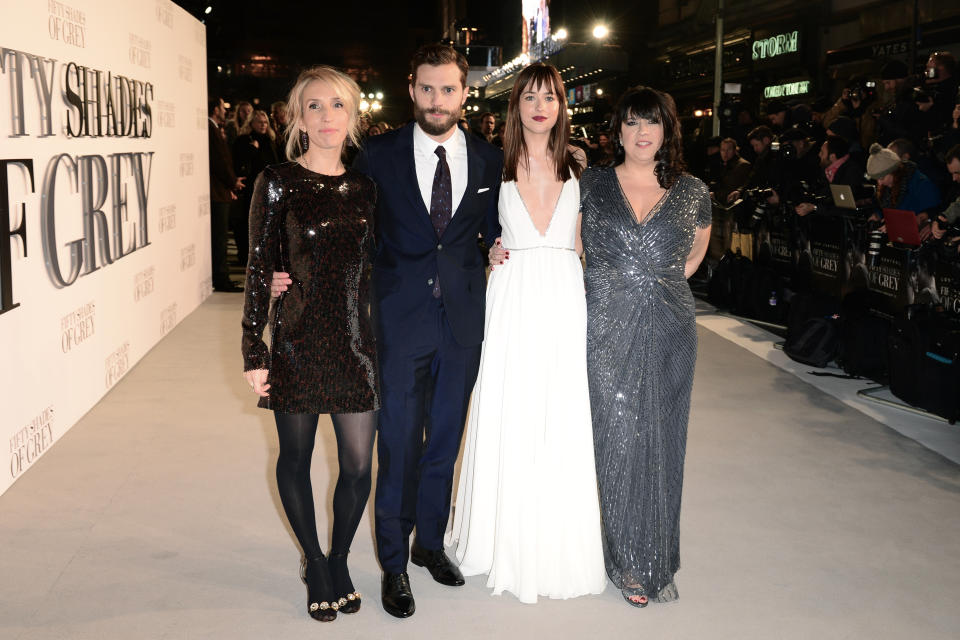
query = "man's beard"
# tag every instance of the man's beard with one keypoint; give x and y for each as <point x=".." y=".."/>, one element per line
<point x="430" y="125"/>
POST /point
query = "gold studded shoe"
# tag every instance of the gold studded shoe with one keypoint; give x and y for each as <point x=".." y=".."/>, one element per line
<point x="350" y="601"/>
<point x="315" y="574"/>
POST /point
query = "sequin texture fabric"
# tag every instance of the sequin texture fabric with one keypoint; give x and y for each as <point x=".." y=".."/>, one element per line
<point x="641" y="350"/>
<point x="319" y="229"/>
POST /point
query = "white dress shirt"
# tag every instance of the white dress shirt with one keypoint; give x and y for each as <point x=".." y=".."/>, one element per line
<point x="425" y="156"/>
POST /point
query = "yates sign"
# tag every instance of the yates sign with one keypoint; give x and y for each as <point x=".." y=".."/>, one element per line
<point x="93" y="104"/>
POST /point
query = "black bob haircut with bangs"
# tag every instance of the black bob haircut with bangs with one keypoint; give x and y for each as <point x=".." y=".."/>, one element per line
<point x="658" y="107"/>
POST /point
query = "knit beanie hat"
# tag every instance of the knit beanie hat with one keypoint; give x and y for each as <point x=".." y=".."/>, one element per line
<point x="881" y="161"/>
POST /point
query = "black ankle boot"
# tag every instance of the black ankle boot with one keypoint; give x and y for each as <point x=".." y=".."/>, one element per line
<point x="321" y="603"/>
<point x="349" y="598"/>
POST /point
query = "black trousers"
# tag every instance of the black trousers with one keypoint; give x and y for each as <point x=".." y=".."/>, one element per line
<point x="219" y="223"/>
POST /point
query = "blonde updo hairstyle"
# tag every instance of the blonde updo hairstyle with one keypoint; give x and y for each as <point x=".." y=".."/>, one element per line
<point x="345" y="88"/>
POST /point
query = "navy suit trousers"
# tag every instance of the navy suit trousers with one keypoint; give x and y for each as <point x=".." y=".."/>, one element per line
<point x="425" y="391"/>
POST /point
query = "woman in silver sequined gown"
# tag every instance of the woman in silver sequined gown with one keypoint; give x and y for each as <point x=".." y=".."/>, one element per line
<point x="645" y="230"/>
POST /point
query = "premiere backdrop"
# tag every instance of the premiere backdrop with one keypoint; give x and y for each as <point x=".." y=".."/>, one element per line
<point x="104" y="207"/>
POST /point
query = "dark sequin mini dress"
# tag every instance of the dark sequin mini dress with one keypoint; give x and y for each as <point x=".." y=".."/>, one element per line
<point x="319" y="229"/>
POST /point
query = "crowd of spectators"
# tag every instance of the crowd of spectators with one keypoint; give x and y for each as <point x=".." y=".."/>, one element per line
<point x="894" y="140"/>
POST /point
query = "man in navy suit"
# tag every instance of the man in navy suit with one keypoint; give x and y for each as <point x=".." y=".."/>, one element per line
<point x="437" y="191"/>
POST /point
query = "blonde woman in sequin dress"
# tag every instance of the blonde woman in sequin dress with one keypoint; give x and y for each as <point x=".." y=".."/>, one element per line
<point x="314" y="218"/>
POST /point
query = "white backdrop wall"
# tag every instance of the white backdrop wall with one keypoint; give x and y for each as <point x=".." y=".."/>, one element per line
<point x="104" y="203"/>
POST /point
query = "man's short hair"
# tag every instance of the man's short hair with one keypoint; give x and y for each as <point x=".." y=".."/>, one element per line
<point x="946" y="59"/>
<point x="952" y="154"/>
<point x="485" y="114"/>
<point x="902" y="146"/>
<point x="731" y="141"/>
<point x="761" y="132"/>
<point x="212" y="104"/>
<point x="837" y="146"/>
<point x="436" y="55"/>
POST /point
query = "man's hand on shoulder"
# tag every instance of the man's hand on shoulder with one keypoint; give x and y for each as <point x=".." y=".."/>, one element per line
<point x="280" y="283"/>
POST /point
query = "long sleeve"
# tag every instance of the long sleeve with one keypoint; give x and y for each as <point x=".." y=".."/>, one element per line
<point x="221" y="165"/>
<point x="266" y="218"/>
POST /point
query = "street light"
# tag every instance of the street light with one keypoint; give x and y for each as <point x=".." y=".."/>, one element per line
<point x="600" y="32"/>
<point x="561" y="34"/>
<point x="379" y="95"/>
<point x="207" y="11"/>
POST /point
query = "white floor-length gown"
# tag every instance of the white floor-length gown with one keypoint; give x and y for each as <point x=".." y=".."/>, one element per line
<point x="527" y="510"/>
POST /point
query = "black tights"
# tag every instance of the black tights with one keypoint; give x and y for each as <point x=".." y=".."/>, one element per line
<point x="297" y="432"/>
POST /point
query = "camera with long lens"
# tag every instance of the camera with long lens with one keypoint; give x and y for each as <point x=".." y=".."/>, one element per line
<point x="756" y="208"/>
<point x="864" y="91"/>
<point x="785" y="150"/>
<point x="805" y="192"/>
<point x="875" y="241"/>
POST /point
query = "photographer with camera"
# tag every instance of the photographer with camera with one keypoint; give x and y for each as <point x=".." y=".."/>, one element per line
<point x="778" y="116"/>
<point x="838" y="167"/>
<point x="897" y="116"/>
<point x="855" y="103"/>
<point x="946" y="226"/>
<point x="800" y="167"/>
<point x="766" y="170"/>
<point x="941" y="83"/>
<point x="735" y="171"/>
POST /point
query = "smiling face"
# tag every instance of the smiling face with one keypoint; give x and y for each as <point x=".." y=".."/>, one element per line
<point x="326" y="118"/>
<point x="539" y="107"/>
<point x="260" y="122"/>
<point x="641" y="138"/>
<point x="437" y="98"/>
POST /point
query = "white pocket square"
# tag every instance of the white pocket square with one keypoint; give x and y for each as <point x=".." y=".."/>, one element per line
<point x="483" y="189"/>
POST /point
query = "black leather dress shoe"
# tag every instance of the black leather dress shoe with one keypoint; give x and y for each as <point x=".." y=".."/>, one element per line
<point x="438" y="564"/>
<point x="396" y="596"/>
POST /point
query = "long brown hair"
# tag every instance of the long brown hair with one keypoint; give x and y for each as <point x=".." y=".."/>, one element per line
<point x="901" y="176"/>
<point x="655" y="106"/>
<point x="535" y="76"/>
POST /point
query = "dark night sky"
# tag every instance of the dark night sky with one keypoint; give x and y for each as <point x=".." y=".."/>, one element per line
<point x="376" y="36"/>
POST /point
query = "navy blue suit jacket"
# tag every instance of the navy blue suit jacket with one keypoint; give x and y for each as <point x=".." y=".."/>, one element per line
<point x="409" y="254"/>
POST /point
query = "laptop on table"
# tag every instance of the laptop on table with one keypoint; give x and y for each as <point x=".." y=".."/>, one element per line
<point x="843" y="196"/>
<point x="902" y="227"/>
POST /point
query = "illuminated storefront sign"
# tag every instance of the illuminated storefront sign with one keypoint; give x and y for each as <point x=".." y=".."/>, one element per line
<point x="776" y="45"/>
<point x="787" y="89"/>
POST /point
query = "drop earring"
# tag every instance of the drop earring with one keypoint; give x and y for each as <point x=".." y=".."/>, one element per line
<point x="304" y="141"/>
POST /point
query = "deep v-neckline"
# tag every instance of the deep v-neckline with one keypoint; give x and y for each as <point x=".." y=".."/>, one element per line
<point x="633" y="214"/>
<point x="553" y="214"/>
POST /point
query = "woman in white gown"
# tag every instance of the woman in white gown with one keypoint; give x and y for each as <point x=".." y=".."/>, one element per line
<point x="527" y="512"/>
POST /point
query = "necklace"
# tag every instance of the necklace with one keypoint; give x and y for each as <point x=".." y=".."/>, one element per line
<point x="306" y="162"/>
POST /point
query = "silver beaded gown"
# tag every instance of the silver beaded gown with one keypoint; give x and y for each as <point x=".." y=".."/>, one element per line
<point x="641" y="351"/>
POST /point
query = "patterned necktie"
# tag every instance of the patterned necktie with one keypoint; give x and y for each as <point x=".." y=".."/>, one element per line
<point x="441" y="203"/>
<point x="441" y="198"/>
